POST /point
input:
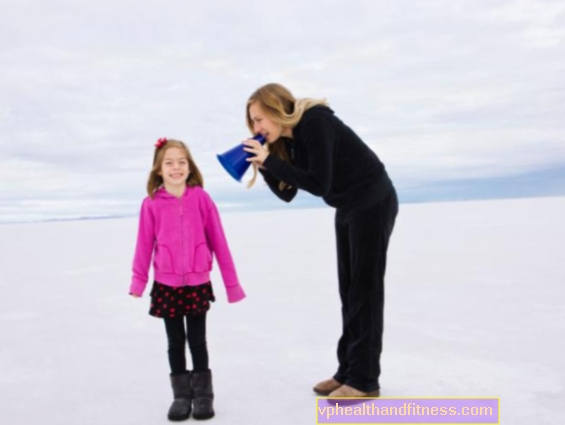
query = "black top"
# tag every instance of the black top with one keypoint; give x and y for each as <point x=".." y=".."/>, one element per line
<point x="328" y="160"/>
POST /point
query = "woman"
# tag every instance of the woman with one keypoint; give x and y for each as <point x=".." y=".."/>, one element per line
<point x="309" y="148"/>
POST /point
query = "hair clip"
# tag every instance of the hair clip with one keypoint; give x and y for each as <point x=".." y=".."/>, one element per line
<point x="160" y="142"/>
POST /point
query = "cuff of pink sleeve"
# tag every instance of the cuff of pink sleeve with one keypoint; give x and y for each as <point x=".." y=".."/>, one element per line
<point x="137" y="287"/>
<point x="235" y="293"/>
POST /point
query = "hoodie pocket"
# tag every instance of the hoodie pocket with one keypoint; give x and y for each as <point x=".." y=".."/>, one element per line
<point x="164" y="259"/>
<point x="202" y="258"/>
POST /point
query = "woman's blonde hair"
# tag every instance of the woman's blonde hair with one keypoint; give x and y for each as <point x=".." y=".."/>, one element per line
<point x="155" y="180"/>
<point x="278" y="103"/>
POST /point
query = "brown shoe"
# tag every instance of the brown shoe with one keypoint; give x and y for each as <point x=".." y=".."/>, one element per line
<point x="327" y="386"/>
<point x="347" y="391"/>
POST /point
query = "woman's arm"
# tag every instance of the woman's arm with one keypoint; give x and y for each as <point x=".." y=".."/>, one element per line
<point x="287" y="194"/>
<point x="318" y="137"/>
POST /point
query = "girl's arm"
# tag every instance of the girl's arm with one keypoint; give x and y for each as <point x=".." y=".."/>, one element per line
<point x="219" y="244"/>
<point x="319" y="141"/>
<point x="287" y="194"/>
<point x="143" y="249"/>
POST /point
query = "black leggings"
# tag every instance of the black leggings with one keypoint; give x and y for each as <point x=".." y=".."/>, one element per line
<point x="195" y="334"/>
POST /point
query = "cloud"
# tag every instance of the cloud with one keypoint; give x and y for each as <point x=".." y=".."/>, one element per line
<point x="439" y="89"/>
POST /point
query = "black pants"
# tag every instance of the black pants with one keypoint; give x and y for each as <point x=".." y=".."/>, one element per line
<point x="362" y="242"/>
<point x="178" y="335"/>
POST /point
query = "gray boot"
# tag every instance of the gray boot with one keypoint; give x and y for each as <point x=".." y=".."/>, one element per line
<point x="182" y="391"/>
<point x="203" y="402"/>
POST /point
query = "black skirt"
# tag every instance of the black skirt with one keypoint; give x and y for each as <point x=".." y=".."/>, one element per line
<point x="169" y="301"/>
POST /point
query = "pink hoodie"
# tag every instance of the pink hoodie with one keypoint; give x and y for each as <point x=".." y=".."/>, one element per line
<point x="182" y="233"/>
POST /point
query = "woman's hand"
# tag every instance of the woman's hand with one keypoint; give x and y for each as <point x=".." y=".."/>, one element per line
<point x="255" y="148"/>
<point x="135" y="296"/>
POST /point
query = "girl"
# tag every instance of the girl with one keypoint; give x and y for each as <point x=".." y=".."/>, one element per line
<point x="179" y="226"/>
<point x="309" y="148"/>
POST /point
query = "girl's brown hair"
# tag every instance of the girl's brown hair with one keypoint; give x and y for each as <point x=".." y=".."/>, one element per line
<point x="155" y="180"/>
<point x="278" y="103"/>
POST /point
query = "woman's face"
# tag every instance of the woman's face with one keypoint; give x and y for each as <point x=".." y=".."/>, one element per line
<point x="266" y="126"/>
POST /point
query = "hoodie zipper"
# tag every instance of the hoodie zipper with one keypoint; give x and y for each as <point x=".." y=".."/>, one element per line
<point x="182" y="240"/>
<point x="290" y="146"/>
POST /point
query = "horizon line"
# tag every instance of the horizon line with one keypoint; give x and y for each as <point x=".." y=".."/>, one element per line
<point x="282" y="207"/>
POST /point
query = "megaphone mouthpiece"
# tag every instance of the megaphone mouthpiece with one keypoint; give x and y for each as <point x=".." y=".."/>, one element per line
<point x="235" y="161"/>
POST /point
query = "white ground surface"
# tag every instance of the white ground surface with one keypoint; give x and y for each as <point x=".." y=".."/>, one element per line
<point x="475" y="307"/>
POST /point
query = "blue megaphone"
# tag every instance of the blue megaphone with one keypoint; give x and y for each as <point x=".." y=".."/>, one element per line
<point x="234" y="160"/>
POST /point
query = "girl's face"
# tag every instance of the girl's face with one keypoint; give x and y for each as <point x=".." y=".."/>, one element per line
<point x="266" y="126"/>
<point x="174" y="168"/>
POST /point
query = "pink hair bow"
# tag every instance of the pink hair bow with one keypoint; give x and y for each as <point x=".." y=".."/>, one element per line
<point x="160" y="142"/>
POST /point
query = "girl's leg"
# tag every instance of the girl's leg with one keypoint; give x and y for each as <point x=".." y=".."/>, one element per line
<point x="196" y="335"/>
<point x="203" y="391"/>
<point x="176" y="336"/>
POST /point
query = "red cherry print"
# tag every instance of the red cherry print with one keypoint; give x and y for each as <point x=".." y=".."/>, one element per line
<point x="159" y="300"/>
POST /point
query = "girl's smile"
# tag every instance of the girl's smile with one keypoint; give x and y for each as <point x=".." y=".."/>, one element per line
<point x="175" y="168"/>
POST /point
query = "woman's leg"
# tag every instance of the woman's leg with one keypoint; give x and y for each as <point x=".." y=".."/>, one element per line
<point x="369" y="232"/>
<point x="344" y="278"/>
<point x="176" y="340"/>
<point x="196" y="335"/>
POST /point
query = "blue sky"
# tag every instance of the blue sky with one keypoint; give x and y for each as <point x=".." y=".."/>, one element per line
<point x="461" y="100"/>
